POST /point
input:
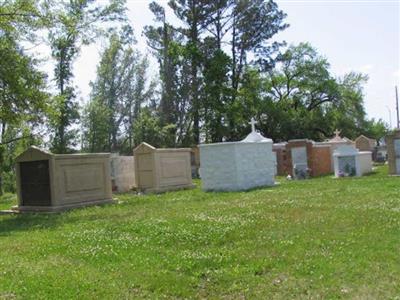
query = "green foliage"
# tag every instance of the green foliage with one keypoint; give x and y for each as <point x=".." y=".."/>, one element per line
<point x="118" y="94"/>
<point x="23" y="103"/>
<point x="299" y="240"/>
<point x="96" y="126"/>
<point x="76" y="23"/>
<point x="300" y="98"/>
<point x="10" y="150"/>
<point x="22" y="95"/>
<point x="21" y="18"/>
<point x="216" y="93"/>
<point x="147" y="128"/>
<point x="199" y="77"/>
<point x="376" y="129"/>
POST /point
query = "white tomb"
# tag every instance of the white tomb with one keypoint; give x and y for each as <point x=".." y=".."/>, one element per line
<point x="234" y="166"/>
<point x="348" y="161"/>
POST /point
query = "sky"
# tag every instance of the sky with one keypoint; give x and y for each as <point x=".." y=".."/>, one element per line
<point x="354" y="35"/>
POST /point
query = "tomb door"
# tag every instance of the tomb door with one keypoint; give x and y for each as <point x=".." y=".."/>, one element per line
<point x="299" y="162"/>
<point x="347" y="165"/>
<point x="299" y="156"/>
<point x="397" y="154"/>
<point x="35" y="183"/>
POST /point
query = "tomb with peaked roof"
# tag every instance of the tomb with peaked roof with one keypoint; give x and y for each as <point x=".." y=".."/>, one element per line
<point x="55" y="182"/>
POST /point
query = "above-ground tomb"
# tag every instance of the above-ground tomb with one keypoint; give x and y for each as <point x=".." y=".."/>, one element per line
<point x="163" y="169"/>
<point x="234" y="166"/>
<point x="55" y="182"/>
<point x="298" y="157"/>
<point x="348" y="161"/>
<point x="393" y="152"/>
<point x="364" y="143"/>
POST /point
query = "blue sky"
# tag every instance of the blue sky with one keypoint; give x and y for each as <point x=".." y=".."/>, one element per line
<point x="356" y="35"/>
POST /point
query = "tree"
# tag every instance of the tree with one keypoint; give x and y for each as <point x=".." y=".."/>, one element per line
<point x="147" y="129"/>
<point x="175" y="107"/>
<point x="376" y="129"/>
<point x="77" y="23"/>
<point x="301" y="98"/>
<point x="160" y="39"/>
<point x="193" y="13"/>
<point x="118" y="93"/>
<point x="216" y="92"/>
<point x="21" y="19"/>
<point x="22" y="98"/>
<point x="303" y="88"/>
<point x="348" y="113"/>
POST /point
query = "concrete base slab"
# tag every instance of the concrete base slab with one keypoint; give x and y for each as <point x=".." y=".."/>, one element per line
<point x="168" y="189"/>
<point x="54" y="209"/>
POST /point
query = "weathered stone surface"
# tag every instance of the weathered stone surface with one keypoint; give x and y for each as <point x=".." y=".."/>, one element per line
<point x="393" y="152"/>
<point x="316" y="157"/>
<point x="238" y="166"/>
<point x="122" y="173"/>
<point x="348" y="161"/>
<point x="64" y="181"/>
<point x="159" y="170"/>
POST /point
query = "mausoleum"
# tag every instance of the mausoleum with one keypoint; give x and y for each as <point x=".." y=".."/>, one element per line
<point x="55" y="182"/>
<point x="234" y="166"/>
<point x="364" y="143"/>
<point x="393" y="152"/>
<point x="163" y="169"/>
<point x="303" y="156"/>
<point x="348" y="161"/>
<point x="338" y="141"/>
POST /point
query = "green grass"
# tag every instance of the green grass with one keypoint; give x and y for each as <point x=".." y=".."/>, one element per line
<point x="317" y="239"/>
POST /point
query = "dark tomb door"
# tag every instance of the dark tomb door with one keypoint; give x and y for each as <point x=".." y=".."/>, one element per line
<point x="35" y="183"/>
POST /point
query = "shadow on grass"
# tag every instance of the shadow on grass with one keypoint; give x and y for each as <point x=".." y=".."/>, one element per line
<point x="259" y="188"/>
<point x="28" y="222"/>
<point x="373" y="173"/>
<point x="32" y="221"/>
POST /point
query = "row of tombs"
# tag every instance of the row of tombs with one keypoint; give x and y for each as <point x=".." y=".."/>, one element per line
<point x="55" y="182"/>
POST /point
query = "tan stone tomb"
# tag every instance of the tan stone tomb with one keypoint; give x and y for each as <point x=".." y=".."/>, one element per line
<point x="163" y="169"/>
<point x="393" y="152"/>
<point x="56" y="182"/>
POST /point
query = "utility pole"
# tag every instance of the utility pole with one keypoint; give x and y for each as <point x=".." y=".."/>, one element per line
<point x="397" y="107"/>
<point x="390" y="116"/>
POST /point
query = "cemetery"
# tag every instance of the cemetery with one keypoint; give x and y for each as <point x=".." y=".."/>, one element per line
<point x="246" y="169"/>
<point x="264" y="240"/>
<point x="188" y="149"/>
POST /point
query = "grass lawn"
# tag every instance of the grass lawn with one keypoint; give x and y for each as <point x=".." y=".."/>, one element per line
<point x="321" y="238"/>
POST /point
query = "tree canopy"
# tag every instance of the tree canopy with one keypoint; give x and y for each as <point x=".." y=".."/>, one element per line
<point x="218" y="66"/>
